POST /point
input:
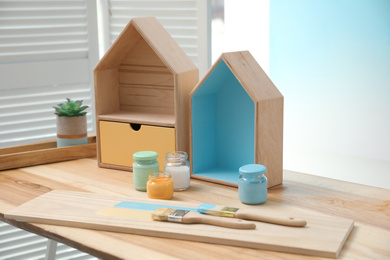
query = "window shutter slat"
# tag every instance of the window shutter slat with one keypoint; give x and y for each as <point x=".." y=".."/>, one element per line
<point x="179" y="17"/>
<point x="44" y="58"/>
<point x="70" y="4"/>
<point x="28" y="30"/>
<point x="60" y="72"/>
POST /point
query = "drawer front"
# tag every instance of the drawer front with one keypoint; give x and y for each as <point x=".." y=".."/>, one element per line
<point x="118" y="142"/>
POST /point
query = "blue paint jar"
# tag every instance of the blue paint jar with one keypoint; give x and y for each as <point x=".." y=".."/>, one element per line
<point x="252" y="184"/>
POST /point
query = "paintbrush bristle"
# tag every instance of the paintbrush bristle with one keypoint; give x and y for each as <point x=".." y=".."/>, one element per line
<point x="216" y="210"/>
<point x="162" y="214"/>
<point x="210" y="209"/>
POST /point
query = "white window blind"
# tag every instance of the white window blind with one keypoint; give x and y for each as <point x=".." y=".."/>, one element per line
<point x="187" y="21"/>
<point x="48" y="50"/>
<point x="17" y="244"/>
<point x="47" y="53"/>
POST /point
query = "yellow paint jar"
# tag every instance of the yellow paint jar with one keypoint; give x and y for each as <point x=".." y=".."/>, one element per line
<point x="160" y="186"/>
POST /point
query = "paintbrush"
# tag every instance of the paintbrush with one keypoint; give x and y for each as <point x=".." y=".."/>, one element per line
<point x="191" y="217"/>
<point x="223" y="211"/>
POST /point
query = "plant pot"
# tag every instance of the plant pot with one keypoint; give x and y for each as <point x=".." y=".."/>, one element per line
<point x="71" y="130"/>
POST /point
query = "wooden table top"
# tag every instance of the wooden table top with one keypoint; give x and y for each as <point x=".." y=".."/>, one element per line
<point x="368" y="206"/>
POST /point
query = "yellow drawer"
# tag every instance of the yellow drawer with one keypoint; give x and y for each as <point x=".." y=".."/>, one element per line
<point x="119" y="141"/>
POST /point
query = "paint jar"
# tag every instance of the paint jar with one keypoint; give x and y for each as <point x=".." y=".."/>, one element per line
<point x="160" y="186"/>
<point x="177" y="165"/>
<point x="145" y="163"/>
<point x="252" y="184"/>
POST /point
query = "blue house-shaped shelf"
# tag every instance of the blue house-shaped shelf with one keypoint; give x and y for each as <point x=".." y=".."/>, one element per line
<point x="237" y="119"/>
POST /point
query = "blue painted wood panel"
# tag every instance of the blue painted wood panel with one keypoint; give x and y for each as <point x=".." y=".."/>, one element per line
<point x="223" y="126"/>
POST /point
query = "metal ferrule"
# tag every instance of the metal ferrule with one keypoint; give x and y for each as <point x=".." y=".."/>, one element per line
<point x="177" y="215"/>
<point x="228" y="212"/>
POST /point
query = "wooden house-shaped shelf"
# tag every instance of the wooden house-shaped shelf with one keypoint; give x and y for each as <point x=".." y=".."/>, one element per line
<point x="237" y="119"/>
<point x="142" y="87"/>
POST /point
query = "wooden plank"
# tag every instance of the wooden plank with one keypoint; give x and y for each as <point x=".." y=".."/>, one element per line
<point x="143" y="68"/>
<point x="125" y="41"/>
<point x="251" y="76"/>
<point x="140" y="117"/>
<point x="185" y="83"/>
<point x="269" y="138"/>
<point x="146" y="78"/>
<point x="29" y="147"/>
<point x="300" y="193"/>
<point x="142" y="54"/>
<point x="106" y="91"/>
<point x="156" y="97"/>
<point x="151" y="111"/>
<point x="44" y="152"/>
<point x="323" y="236"/>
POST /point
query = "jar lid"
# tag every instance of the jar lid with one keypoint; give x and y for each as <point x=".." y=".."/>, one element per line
<point x="252" y="169"/>
<point x="145" y="155"/>
<point x="176" y="155"/>
<point x="160" y="175"/>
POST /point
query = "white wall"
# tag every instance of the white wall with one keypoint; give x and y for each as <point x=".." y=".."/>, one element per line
<point x="338" y="129"/>
<point x="246" y="28"/>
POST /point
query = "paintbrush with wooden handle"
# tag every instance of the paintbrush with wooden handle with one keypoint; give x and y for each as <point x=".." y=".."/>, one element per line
<point x="223" y="211"/>
<point x="191" y="217"/>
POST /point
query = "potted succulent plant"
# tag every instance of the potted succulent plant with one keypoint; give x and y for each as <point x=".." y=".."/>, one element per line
<point x="71" y="123"/>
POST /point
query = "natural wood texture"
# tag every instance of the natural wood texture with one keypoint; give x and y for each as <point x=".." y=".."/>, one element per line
<point x="183" y="115"/>
<point x="140" y="118"/>
<point x="226" y="211"/>
<point x="163" y="45"/>
<point x="250" y="74"/>
<point x="269" y="138"/>
<point x="270" y="218"/>
<point x="145" y="83"/>
<point x="142" y="85"/>
<point x="145" y="78"/>
<point x="44" y="152"/>
<point x="28" y="147"/>
<point x="299" y="193"/>
<point x="122" y="46"/>
<point x="323" y="236"/>
<point x="269" y="112"/>
<point x="106" y="92"/>
<point x="268" y="101"/>
<point x="143" y="54"/>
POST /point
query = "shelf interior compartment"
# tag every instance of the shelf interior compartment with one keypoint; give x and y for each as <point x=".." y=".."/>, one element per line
<point x="223" y="126"/>
<point x="139" y="90"/>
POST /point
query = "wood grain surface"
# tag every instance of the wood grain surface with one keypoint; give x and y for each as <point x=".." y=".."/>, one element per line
<point x="145" y="78"/>
<point x="368" y="206"/>
<point x="44" y="152"/>
<point x="322" y="236"/>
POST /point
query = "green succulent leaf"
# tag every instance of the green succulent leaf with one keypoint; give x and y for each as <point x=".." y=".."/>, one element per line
<point x="70" y="108"/>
